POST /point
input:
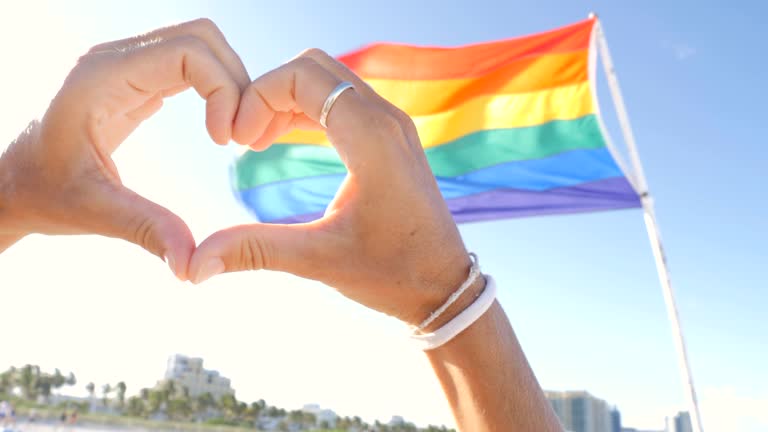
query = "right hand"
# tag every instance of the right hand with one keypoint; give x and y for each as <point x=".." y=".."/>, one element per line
<point x="60" y="176"/>
<point x="387" y="240"/>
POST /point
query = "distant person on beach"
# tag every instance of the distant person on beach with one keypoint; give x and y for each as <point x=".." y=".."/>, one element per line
<point x="63" y="417"/>
<point x="7" y="414"/>
<point x="5" y="411"/>
<point x="387" y="241"/>
<point x="73" y="417"/>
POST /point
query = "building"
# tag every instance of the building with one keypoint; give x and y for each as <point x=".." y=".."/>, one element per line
<point x="579" y="411"/>
<point x="189" y="372"/>
<point x="615" y="420"/>
<point x="682" y="422"/>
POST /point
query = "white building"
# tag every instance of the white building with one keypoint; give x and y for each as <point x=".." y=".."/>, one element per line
<point x="189" y="372"/>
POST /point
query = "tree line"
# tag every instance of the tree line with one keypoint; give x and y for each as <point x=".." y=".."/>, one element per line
<point x="173" y="401"/>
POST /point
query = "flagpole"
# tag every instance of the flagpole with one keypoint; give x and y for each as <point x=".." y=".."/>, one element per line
<point x="652" y="227"/>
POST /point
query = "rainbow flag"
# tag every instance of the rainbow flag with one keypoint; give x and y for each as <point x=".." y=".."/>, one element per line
<point x="510" y="128"/>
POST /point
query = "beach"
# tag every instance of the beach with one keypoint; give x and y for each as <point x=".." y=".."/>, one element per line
<point x="81" y="427"/>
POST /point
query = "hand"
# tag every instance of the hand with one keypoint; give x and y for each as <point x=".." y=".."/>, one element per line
<point x="387" y="240"/>
<point x="62" y="179"/>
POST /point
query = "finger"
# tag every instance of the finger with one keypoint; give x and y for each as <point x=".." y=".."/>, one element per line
<point x="129" y="216"/>
<point x="281" y="121"/>
<point x="167" y="65"/>
<point x="292" y="248"/>
<point x="203" y="29"/>
<point x="360" y="129"/>
<point x="342" y="71"/>
<point x="279" y="91"/>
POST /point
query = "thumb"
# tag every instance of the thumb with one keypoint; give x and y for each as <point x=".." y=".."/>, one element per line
<point x="291" y="248"/>
<point x="131" y="217"/>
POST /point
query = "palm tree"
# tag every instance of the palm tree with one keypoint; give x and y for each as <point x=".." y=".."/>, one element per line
<point x="344" y="423"/>
<point x="106" y="389"/>
<point x="255" y="409"/>
<point x="296" y="416"/>
<point x="6" y="382"/>
<point x="169" y="389"/>
<point x="273" y="412"/>
<point x="91" y="388"/>
<point x="121" y="388"/>
<point x="308" y="419"/>
<point x="203" y="403"/>
<point x="155" y="400"/>
<point x="27" y="380"/>
<point x="135" y="406"/>
<point x="179" y="409"/>
<point x="228" y="405"/>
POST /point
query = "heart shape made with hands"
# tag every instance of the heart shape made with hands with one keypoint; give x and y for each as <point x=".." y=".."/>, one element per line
<point x="381" y="238"/>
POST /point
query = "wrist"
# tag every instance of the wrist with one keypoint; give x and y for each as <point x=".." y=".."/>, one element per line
<point x="463" y="302"/>
<point x="443" y="284"/>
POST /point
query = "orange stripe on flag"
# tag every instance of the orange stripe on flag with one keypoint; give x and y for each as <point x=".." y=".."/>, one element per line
<point x="424" y="97"/>
<point x="409" y="62"/>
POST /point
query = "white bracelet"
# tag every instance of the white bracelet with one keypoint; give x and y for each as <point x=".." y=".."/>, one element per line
<point x="474" y="272"/>
<point x="462" y="321"/>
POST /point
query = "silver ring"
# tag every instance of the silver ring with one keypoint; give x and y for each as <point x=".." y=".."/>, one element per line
<point x="332" y="99"/>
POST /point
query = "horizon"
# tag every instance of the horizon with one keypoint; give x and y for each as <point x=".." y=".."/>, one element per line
<point x="82" y="394"/>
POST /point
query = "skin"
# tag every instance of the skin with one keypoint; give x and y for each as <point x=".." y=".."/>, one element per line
<point x="58" y="178"/>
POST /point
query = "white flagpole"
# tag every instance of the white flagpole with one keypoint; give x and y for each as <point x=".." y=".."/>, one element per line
<point x="649" y="214"/>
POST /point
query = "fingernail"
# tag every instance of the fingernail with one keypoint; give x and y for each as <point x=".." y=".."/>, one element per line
<point x="211" y="268"/>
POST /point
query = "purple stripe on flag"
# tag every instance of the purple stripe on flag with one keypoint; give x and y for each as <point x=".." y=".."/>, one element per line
<point x="608" y="194"/>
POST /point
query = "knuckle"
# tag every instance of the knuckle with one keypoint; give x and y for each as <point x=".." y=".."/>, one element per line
<point x="405" y="120"/>
<point x="408" y="125"/>
<point x="305" y="63"/>
<point x="142" y="234"/>
<point x="387" y="122"/>
<point x="205" y="26"/>
<point x="314" y="53"/>
<point x="190" y="42"/>
<point x="382" y="126"/>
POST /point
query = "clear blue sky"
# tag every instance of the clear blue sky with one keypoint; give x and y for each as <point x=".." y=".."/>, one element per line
<point x="582" y="290"/>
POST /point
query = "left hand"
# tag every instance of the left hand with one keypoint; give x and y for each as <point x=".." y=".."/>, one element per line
<point x="387" y="240"/>
<point x="60" y="178"/>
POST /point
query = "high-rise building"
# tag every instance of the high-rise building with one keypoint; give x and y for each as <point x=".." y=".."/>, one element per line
<point x="682" y="422"/>
<point x="189" y="372"/>
<point x="579" y="411"/>
<point x="615" y="420"/>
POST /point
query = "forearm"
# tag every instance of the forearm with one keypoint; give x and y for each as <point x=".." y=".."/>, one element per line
<point x="488" y="381"/>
